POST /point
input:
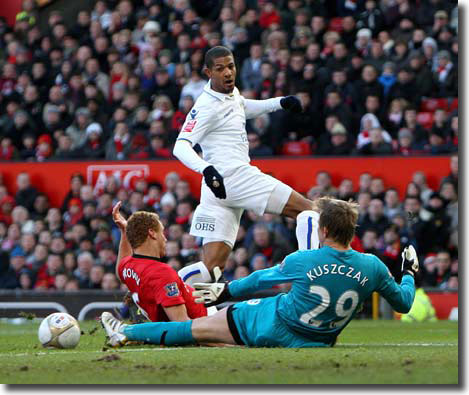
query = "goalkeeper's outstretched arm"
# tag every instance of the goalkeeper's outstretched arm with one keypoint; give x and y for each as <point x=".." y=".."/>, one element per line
<point x="216" y="293"/>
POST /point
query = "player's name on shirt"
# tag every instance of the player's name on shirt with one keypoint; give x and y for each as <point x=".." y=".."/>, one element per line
<point x="129" y="273"/>
<point x="334" y="269"/>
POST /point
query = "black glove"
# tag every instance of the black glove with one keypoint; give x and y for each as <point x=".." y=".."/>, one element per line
<point x="214" y="181"/>
<point x="291" y="103"/>
<point x="410" y="261"/>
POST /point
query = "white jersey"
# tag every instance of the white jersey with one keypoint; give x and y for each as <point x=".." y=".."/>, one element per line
<point x="217" y="122"/>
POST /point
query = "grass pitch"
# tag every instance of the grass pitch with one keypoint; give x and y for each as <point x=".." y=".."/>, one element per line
<point x="367" y="352"/>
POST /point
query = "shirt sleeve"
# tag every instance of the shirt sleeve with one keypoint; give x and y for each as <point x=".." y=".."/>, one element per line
<point x="167" y="291"/>
<point x="400" y="297"/>
<point x="185" y="153"/>
<point x="197" y="124"/>
<point x="263" y="279"/>
<point x="255" y="108"/>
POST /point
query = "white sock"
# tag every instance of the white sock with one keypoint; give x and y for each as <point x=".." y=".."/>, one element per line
<point x="307" y="225"/>
<point x="195" y="273"/>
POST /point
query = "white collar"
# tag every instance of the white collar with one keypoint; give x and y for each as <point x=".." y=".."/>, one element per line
<point x="220" y="96"/>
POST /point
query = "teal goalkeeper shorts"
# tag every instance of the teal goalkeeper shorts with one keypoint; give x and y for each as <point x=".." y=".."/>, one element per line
<point x="255" y="323"/>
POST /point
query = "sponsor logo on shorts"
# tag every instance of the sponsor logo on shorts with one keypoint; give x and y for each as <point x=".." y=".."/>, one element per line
<point x="205" y="223"/>
<point x="172" y="289"/>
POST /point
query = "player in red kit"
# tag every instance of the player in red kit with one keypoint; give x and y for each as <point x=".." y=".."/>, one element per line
<point x="156" y="287"/>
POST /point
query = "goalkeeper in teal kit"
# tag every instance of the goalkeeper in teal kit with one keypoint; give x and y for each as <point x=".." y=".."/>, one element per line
<point x="328" y="286"/>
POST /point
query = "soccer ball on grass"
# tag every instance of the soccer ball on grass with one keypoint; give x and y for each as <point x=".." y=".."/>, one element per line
<point x="59" y="330"/>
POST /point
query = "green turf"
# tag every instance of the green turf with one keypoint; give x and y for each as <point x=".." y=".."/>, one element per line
<point x="368" y="352"/>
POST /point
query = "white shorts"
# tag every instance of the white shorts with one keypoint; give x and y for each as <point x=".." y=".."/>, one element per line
<point x="246" y="189"/>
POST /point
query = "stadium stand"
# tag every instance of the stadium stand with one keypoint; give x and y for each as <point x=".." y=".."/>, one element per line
<point x="375" y="77"/>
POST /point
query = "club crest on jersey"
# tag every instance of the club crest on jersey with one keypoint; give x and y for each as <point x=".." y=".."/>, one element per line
<point x="189" y="126"/>
<point x="193" y="113"/>
<point x="172" y="289"/>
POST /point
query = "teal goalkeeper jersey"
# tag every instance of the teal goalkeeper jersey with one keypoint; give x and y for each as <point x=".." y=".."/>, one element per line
<point x="327" y="288"/>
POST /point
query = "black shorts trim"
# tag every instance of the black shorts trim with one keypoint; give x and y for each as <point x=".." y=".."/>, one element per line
<point x="232" y="326"/>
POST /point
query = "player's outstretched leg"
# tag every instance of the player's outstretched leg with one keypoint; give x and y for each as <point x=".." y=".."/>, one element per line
<point x="296" y="204"/>
<point x="195" y="273"/>
<point x="307" y="225"/>
<point x="113" y="328"/>
<point x="164" y="333"/>
<point x="215" y="254"/>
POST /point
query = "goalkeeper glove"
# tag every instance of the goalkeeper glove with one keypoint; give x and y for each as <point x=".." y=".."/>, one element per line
<point x="410" y="261"/>
<point x="214" y="181"/>
<point x="291" y="103"/>
<point x="212" y="293"/>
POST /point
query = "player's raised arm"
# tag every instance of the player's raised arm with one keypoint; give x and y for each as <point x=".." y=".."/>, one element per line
<point x="255" y="108"/>
<point x="124" y="246"/>
<point x="400" y="297"/>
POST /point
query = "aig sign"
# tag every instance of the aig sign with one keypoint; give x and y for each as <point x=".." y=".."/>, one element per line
<point x="97" y="175"/>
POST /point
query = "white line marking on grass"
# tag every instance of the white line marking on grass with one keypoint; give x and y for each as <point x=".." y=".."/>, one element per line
<point x="67" y="352"/>
<point x="344" y="345"/>
<point x="397" y="344"/>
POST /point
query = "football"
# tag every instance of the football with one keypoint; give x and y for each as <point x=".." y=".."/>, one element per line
<point x="59" y="330"/>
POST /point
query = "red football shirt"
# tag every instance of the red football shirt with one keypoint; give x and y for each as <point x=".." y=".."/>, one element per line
<point x="155" y="285"/>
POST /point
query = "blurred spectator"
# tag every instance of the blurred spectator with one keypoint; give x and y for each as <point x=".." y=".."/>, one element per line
<point x="377" y="144"/>
<point x="251" y="76"/>
<point x="437" y="271"/>
<point x="85" y="262"/>
<point x="345" y="190"/>
<point x="420" y="180"/>
<point x="424" y="83"/>
<point x="393" y="205"/>
<point x="264" y="242"/>
<point x="46" y="274"/>
<point x="109" y="282"/>
<point x="367" y="123"/>
<point x="390" y="250"/>
<point x="446" y="77"/>
<point x="370" y="241"/>
<point x="324" y="183"/>
<point x="12" y="265"/>
<point x="336" y="142"/>
<point x="26" y="193"/>
<point x="118" y="147"/>
<point x="373" y="219"/>
<point x="256" y="148"/>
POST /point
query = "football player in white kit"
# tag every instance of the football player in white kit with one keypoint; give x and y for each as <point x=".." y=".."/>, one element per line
<point x="231" y="185"/>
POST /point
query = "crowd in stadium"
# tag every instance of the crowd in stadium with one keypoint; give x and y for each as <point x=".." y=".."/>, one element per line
<point x="75" y="246"/>
<point x="374" y="77"/>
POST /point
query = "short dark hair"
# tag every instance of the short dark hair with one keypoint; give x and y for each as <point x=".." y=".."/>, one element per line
<point x="216" y="52"/>
<point x="339" y="218"/>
